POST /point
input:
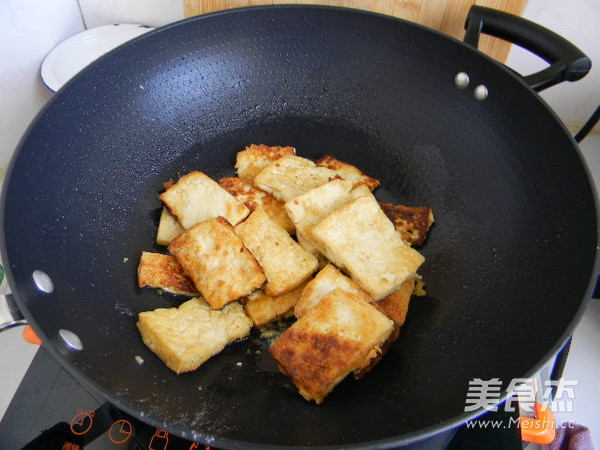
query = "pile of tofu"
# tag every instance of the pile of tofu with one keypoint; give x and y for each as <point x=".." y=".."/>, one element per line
<point x="287" y="236"/>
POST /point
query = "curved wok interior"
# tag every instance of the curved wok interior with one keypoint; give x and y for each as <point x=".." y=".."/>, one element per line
<point x="508" y="262"/>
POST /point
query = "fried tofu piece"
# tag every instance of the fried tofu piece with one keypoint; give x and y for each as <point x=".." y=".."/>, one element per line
<point x="164" y="272"/>
<point x="412" y="222"/>
<point x="254" y="158"/>
<point x="341" y="334"/>
<point x="185" y="337"/>
<point x="196" y="197"/>
<point x="306" y="245"/>
<point x="371" y="362"/>
<point x="313" y="206"/>
<point x="359" y="238"/>
<point x="395" y="305"/>
<point x="360" y="191"/>
<point x="263" y="308"/>
<point x="285" y="263"/>
<point x="308" y="209"/>
<point x="245" y="191"/>
<point x="348" y="172"/>
<point x="326" y="281"/>
<point x="291" y="176"/>
<point x="217" y="261"/>
<point x="168" y="228"/>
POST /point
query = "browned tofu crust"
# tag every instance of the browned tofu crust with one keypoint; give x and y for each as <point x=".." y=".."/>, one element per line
<point x="395" y="305"/>
<point x="376" y="355"/>
<point x="348" y="171"/>
<point x="342" y="333"/>
<point x="215" y="258"/>
<point x="263" y="308"/>
<point x="412" y="222"/>
<point x="245" y="191"/>
<point x="254" y="158"/>
<point x="316" y="363"/>
<point x="164" y="272"/>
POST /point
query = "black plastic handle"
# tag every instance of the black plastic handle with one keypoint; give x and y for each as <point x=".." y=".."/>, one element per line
<point x="567" y="62"/>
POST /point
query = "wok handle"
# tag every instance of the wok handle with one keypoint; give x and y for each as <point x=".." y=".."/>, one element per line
<point x="10" y="316"/>
<point x="567" y="62"/>
<point x="539" y="429"/>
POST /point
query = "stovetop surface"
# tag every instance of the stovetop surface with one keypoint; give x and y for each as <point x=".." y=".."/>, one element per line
<point x="51" y="410"/>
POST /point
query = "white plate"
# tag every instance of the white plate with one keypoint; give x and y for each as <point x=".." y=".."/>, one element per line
<point x="69" y="57"/>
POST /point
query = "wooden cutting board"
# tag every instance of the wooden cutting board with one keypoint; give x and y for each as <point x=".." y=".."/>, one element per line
<point x="447" y="16"/>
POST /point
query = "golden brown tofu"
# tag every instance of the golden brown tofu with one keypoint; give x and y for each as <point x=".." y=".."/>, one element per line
<point x="412" y="222"/>
<point x="263" y="308"/>
<point x="308" y="209"/>
<point x="164" y="272"/>
<point x="359" y="238"/>
<point x="420" y="288"/>
<point x="306" y="245"/>
<point x="285" y="263"/>
<point x="168" y="228"/>
<point x="251" y="196"/>
<point x="342" y="333"/>
<point x="196" y="197"/>
<point x="292" y="176"/>
<point x="348" y="171"/>
<point x="254" y="158"/>
<point x="217" y="261"/>
<point x="376" y="355"/>
<point x="395" y="305"/>
<point x="360" y="191"/>
<point x="326" y="281"/>
<point x="185" y="337"/>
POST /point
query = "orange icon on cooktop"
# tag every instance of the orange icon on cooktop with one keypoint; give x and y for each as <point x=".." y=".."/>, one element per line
<point x="120" y="431"/>
<point x="71" y="446"/>
<point x="82" y="422"/>
<point x="160" y="440"/>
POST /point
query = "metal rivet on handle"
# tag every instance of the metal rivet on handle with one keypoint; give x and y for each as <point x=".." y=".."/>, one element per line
<point x="461" y="80"/>
<point x="43" y="281"/>
<point x="480" y="93"/>
<point x="71" y="339"/>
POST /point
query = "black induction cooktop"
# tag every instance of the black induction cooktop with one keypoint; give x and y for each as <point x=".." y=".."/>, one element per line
<point x="51" y="410"/>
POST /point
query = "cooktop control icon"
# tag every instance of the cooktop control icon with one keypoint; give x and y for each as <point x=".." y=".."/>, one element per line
<point x="160" y="440"/>
<point x="82" y="422"/>
<point x="120" y="431"/>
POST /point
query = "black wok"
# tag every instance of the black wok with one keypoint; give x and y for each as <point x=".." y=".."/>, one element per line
<point x="508" y="262"/>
